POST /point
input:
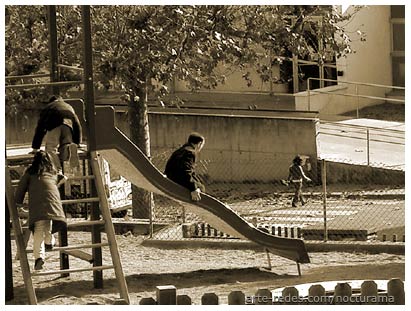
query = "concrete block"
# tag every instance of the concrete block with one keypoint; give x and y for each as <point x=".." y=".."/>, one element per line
<point x="183" y="300"/>
<point x="236" y="298"/>
<point x="209" y="299"/>
<point x="395" y="288"/>
<point x="147" y="301"/>
<point x="263" y="296"/>
<point x="166" y="295"/>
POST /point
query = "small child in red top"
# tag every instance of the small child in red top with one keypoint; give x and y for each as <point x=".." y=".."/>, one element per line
<point x="295" y="177"/>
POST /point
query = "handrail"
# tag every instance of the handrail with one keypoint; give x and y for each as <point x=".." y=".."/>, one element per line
<point x="366" y="138"/>
<point x="358" y="83"/>
<point x="363" y="126"/>
<point x="359" y="96"/>
<point x="309" y="91"/>
<point x="336" y="132"/>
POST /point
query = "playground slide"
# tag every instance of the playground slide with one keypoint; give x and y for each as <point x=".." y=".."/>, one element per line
<point x="127" y="159"/>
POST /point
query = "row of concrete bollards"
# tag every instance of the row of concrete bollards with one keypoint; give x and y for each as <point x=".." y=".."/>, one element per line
<point x="368" y="293"/>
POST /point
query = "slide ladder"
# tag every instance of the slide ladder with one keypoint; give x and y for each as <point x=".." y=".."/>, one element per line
<point x="75" y="250"/>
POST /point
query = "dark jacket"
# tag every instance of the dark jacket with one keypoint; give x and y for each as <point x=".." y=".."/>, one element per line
<point x="51" y="117"/>
<point x="44" y="198"/>
<point x="296" y="173"/>
<point x="180" y="168"/>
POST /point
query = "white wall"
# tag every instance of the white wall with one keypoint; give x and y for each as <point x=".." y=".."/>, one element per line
<point x="371" y="63"/>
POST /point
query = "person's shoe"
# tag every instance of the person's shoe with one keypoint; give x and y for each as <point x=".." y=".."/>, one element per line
<point x="73" y="156"/>
<point x="285" y="182"/>
<point x="48" y="247"/>
<point x="38" y="264"/>
<point x="293" y="205"/>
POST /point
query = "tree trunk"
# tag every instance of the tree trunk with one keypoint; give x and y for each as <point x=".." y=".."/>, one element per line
<point x="140" y="135"/>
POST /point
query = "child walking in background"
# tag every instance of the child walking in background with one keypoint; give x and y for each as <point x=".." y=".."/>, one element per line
<point x="295" y="177"/>
<point x="46" y="214"/>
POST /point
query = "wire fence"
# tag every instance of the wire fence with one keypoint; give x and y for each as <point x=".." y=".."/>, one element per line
<point x="348" y="202"/>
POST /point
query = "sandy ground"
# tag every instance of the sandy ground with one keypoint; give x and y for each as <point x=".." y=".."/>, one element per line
<point x="196" y="271"/>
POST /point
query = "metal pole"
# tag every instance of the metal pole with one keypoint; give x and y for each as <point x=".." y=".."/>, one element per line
<point x="271" y="74"/>
<point x="53" y="48"/>
<point x="151" y="224"/>
<point x="358" y="102"/>
<point x="324" y="183"/>
<point x="308" y="94"/>
<point x="295" y="74"/>
<point x="321" y="73"/>
<point x="91" y="135"/>
<point x="368" y="146"/>
<point x="321" y="60"/>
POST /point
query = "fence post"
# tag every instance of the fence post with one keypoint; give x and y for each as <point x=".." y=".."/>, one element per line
<point x="236" y="298"/>
<point x="358" y="103"/>
<point x="152" y="216"/>
<point x="183" y="214"/>
<point x="395" y="289"/>
<point x="166" y="295"/>
<point x="324" y="183"/>
<point x="368" y="146"/>
<point x="209" y="299"/>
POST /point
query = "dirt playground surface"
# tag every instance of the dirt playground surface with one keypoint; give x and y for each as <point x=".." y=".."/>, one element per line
<point x="195" y="272"/>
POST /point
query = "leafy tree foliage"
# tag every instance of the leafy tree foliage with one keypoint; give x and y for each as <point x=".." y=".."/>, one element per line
<point x="142" y="49"/>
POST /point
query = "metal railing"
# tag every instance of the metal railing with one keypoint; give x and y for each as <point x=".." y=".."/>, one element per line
<point x="356" y="95"/>
<point x="365" y="133"/>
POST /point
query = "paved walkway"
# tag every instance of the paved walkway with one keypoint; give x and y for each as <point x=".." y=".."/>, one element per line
<point x="346" y="141"/>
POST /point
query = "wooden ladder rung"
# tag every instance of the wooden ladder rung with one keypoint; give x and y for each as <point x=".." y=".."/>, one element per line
<point x="84" y="200"/>
<point x="85" y="223"/>
<point x="87" y="177"/>
<point x="73" y="247"/>
<point x="80" y="254"/>
<point x="64" y="271"/>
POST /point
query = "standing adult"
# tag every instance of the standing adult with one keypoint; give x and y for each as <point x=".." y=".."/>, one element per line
<point x="180" y="167"/>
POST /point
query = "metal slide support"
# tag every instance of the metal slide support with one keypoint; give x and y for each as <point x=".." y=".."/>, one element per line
<point x="268" y="259"/>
